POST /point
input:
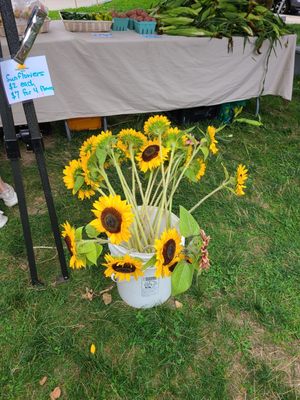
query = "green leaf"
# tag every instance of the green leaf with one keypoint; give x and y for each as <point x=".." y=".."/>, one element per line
<point x="88" y="263"/>
<point x="248" y="121"/>
<point x="191" y="174"/>
<point x="79" y="181"/>
<point x="78" y="233"/>
<point x="91" y="231"/>
<point x="205" y="152"/>
<point x="101" y="156"/>
<point x="182" y="277"/>
<point x="225" y="172"/>
<point x="99" y="249"/>
<point x="92" y="255"/>
<point x="85" y="247"/>
<point x="188" y="225"/>
<point x="188" y="130"/>
<point x="149" y="263"/>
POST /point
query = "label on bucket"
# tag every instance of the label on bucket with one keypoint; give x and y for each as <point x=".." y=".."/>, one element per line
<point x="149" y="286"/>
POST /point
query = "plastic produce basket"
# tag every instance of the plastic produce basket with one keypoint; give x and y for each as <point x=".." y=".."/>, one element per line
<point x="120" y="24"/>
<point x="131" y="24"/>
<point x="145" y="27"/>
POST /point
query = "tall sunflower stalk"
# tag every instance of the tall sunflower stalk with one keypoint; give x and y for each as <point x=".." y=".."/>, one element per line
<point x="150" y="167"/>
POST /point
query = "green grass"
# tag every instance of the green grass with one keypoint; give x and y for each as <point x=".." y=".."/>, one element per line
<point x="296" y="29"/>
<point x="118" y="5"/>
<point x="237" y="334"/>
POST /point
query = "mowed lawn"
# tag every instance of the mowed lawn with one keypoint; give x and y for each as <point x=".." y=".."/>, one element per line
<point x="237" y="334"/>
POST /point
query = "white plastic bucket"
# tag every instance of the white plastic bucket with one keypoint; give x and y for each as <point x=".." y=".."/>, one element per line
<point x="147" y="291"/>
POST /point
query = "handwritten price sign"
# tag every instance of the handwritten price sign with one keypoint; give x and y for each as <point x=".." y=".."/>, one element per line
<point x="26" y="82"/>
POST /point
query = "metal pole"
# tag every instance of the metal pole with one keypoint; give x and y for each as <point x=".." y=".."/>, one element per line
<point x="37" y="145"/>
<point x="13" y="153"/>
<point x="36" y="137"/>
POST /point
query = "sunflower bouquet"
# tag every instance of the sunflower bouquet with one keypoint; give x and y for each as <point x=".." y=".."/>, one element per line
<point x="134" y="212"/>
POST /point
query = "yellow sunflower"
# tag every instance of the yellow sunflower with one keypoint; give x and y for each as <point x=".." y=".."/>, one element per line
<point x="76" y="262"/>
<point x="152" y="155"/>
<point x="88" y="146"/>
<point x="85" y="192"/>
<point x="241" y="177"/>
<point x="71" y="171"/>
<point x="189" y="152"/>
<point x="74" y="173"/>
<point x="130" y="136"/>
<point x="156" y="125"/>
<point x="212" y="134"/>
<point x="103" y="138"/>
<point x="168" y="251"/>
<point x="89" y="180"/>
<point x="123" y="268"/>
<point x="114" y="217"/>
<point x="174" y="137"/>
<point x="172" y="132"/>
<point x="202" y="169"/>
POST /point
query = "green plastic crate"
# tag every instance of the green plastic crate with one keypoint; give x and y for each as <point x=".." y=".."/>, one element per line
<point x="120" y="24"/>
<point x="145" y="27"/>
<point x="131" y="24"/>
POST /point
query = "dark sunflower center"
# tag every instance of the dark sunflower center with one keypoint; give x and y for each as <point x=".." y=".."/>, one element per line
<point x="150" y="152"/>
<point x="69" y="244"/>
<point x="126" y="268"/>
<point x="169" y="251"/>
<point x="172" y="267"/>
<point x="111" y="220"/>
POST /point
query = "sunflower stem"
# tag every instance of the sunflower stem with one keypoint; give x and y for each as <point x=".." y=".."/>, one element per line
<point x="148" y="188"/>
<point x="101" y="192"/>
<point x="186" y="166"/>
<point x="143" y="197"/>
<point x="131" y="200"/>
<point x="110" y="188"/>
<point x="155" y="200"/>
<point x="101" y="241"/>
<point x="222" y="186"/>
<point x="145" y="206"/>
<point x="136" y="174"/>
<point x="173" y="177"/>
<point x="164" y="202"/>
<point x="161" y="207"/>
<point x="128" y="194"/>
<point x="133" y="183"/>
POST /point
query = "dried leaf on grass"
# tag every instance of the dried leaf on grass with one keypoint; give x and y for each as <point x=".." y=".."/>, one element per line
<point x="107" y="299"/>
<point x="55" y="394"/>
<point x="24" y="267"/>
<point x="106" y="290"/>
<point x="178" y="304"/>
<point x="174" y="304"/>
<point x="43" y="380"/>
<point x="89" y="294"/>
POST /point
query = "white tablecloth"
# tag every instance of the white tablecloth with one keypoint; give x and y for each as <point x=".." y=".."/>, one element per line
<point x="129" y="73"/>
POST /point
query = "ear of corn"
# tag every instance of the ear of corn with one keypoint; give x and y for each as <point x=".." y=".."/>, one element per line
<point x="219" y="18"/>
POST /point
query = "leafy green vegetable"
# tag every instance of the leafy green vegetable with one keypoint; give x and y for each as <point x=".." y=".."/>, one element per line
<point x="219" y="18"/>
